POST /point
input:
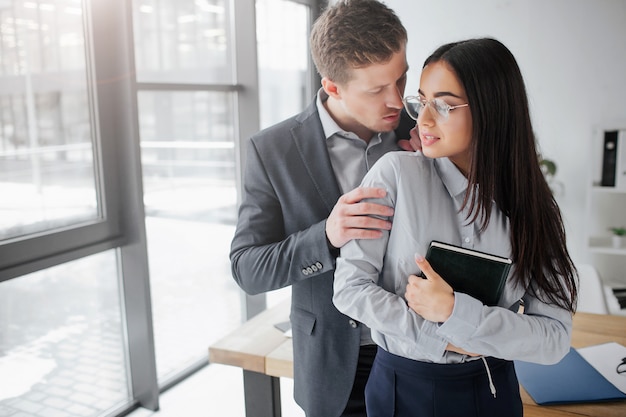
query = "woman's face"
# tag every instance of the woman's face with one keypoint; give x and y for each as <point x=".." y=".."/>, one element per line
<point x="442" y="136"/>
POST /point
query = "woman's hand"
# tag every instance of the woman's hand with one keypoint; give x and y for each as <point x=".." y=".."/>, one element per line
<point x="432" y="298"/>
<point x="457" y="349"/>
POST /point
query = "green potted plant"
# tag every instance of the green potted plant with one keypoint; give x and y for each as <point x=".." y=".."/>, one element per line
<point x="619" y="236"/>
<point x="548" y="169"/>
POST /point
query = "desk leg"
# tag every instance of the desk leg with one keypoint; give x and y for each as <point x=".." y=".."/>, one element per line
<point x="262" y="395"/>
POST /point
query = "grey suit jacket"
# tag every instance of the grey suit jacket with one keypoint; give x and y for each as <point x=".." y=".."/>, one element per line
<point x="280" y="240"/>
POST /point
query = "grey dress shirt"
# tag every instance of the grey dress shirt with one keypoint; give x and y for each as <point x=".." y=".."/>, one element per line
<point x="351" y="156"/>
<point x="371" y="275"/>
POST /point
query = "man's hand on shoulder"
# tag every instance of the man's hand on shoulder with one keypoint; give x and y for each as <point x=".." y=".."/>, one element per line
<point x="413" y="144"/>
<point x="351" y="218"/>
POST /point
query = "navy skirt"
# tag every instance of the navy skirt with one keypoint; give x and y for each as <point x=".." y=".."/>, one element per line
<point x="401" y="387"/>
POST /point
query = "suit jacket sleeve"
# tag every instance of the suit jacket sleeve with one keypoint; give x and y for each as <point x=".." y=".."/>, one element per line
<point x="270" y="249"/>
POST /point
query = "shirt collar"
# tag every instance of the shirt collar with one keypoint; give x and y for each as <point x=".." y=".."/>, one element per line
<point x="331" y="127"/>
<point x="452" y="178"/>
<point x="328" y="123"/>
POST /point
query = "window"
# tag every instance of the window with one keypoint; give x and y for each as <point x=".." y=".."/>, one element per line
<point x="282" y="32"/>
<point x="62" y="332"/>
<point x="62" y="345"/>
<point x="183" y="42"/>
<point x="283" y="56"/>
<point x="122" y="130"/>
<point x="186" y="102"/>
<point x="49" y="161"/>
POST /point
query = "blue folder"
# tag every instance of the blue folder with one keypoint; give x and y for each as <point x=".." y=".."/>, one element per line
<point x="573" y="380"/>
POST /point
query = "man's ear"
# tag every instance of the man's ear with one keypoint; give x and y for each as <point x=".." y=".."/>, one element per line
<point x="330" y="87"/>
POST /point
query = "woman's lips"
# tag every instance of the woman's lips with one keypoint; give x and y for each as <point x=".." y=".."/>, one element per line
<point x="427" y="139"/>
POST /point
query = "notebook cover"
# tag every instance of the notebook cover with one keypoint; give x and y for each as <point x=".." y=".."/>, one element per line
<point x="573" y="380"/>
<point x="471" y="272"/>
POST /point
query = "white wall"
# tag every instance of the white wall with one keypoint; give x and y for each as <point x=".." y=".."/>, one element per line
<point x="572" y="54"/>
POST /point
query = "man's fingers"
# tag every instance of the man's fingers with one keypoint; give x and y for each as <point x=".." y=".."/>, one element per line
<point x="363" y="234"/>
<point x="350" y="204"/>
<point x="361" y="193"/>
<point x="365" y="222"/>
<point x="351" y="218"/>
<point x="405" y="145"/>
<point x="415" y="141"/>
<point x="370" y="209"/>
<point x="363" y="210"/>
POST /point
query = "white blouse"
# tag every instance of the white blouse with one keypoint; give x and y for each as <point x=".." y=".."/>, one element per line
<point x="371" y="275"/>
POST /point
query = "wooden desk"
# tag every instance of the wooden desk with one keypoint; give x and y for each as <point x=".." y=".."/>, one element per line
<point x="259" y="347"/>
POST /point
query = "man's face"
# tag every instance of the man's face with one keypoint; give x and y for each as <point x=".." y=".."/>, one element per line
<point x="371" y="101"/>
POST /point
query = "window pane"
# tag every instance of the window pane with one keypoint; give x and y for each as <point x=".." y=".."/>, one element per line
<point x="187" y="142"/>
<point x="283" y="55"/>
<point x="62" y="348"/>
<point x="46" y="150"/>
<point x="283" y="58"/>
<point x="182" y="41"/>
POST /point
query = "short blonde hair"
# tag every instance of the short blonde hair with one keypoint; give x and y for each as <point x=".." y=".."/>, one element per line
<point x="353" y="34"/>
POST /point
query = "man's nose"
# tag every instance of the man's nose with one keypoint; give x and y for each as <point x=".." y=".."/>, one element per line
<point x="395" y="101"/>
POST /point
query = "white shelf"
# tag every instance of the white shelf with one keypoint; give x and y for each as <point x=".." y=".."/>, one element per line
<point x="600" y="244"/>
<point x="608" y="190"/>
<point x="611" y="299"/>
<point x="606" y="208"/>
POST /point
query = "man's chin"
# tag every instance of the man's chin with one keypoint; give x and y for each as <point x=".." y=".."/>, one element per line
<point x="389" y="127"/>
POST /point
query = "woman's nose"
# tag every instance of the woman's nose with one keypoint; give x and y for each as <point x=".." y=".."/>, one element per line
<point x="426" y="116"/>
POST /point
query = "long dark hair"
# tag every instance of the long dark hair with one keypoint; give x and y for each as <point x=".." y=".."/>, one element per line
<point x="505" y="168"/>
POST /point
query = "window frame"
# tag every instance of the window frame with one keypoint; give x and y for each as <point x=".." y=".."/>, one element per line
<point x="113" y="95"/>
<point x="36" y="251"/>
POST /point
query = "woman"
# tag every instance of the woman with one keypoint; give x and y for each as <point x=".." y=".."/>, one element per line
<point x="477" y="184"/>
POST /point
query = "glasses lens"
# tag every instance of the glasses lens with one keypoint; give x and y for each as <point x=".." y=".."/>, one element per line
<point x="412" y="106"/>
<point x="441" y="107"/>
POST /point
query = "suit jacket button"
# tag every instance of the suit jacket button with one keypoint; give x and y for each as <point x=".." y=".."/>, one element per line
<point x="314" y="268"/>
<point x="319" y="265"/>
<point x="353" y="324"/>
<point x="304" y="271"/>
<point x="309" y="270"/>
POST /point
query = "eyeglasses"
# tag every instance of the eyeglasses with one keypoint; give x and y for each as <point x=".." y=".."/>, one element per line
<point x="415" y="104"/>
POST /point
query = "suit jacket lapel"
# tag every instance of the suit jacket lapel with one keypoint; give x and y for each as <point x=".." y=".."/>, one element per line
<point x="311" y="144"/>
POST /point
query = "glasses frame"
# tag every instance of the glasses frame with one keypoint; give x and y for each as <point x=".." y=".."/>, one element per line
<point x="437" y="104"/>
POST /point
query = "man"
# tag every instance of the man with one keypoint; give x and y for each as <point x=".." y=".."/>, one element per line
<point x="293" y="218"/>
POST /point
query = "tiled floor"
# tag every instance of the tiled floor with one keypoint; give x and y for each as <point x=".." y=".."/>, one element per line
<point x="214" y="391"/>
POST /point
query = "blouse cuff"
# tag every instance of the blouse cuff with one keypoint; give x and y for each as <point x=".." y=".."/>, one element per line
<point x="463" y="321"/>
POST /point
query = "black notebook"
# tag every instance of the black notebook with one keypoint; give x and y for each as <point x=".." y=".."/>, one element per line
<point x="475" y="273"/>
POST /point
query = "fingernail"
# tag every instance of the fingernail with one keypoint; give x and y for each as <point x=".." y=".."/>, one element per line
<point x="418" y="257"/>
